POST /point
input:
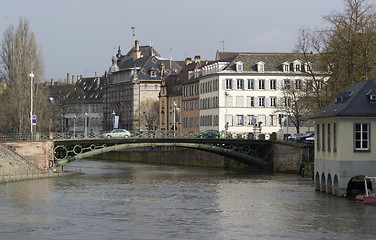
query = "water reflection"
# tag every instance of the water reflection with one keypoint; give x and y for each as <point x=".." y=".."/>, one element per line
<point x="118" y="200"/>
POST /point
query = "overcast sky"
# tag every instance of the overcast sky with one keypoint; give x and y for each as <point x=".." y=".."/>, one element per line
<point x="81" y="36"/>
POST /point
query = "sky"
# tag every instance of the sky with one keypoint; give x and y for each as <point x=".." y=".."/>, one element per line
<point x="81" y="36"/>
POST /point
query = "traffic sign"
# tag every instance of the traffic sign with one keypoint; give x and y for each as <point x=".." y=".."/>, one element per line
<point x="34" y="120"/>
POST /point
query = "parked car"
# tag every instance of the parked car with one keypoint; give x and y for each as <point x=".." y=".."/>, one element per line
<point x="208" y="134"/>
<point x="117" y="133"/>
<point x="300" y="137"/>
<point x="310" y="140"/>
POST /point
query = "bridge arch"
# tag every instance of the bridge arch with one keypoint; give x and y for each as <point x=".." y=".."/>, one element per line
<point x="329" y="186"/>
<point x="259" y="157"/>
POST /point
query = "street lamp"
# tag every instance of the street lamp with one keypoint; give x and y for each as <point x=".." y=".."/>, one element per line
<point x="139" y="105"/>
<point x="74" y="126"/>
<point x="85" y="133"/>
<point x="174" y="116"/>
<point x="226" y="123"/>
<point x="31" y="75"/>
<point x="113" y="119"/>
<point x="144" y="111"/>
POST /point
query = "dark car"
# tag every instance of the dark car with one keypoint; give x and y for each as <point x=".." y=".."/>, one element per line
<point x="208" y="134"/>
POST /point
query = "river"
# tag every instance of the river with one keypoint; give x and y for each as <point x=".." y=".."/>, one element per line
<point x="120" y="200"/>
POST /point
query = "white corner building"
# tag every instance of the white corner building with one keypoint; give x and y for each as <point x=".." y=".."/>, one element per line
<point x="246" y="90"/>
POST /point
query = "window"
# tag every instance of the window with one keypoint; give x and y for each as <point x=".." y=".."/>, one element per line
<point x="239" y="84"/>
<point x="308" y="67"/>
<point x="260" y="66"/>
<point x="318" y="137"/>
<point x="297" y="66"/>
<point x="362" y="137"/>
<point x="239" y="66"/>
<point x="250" y="84"/>
<point x="272" y="119"/>
<point x="286" y="84"/>
<point x="240" y="120"/>
<point x="286" y="101"/>
<point x="261" y="101"/>
<point x="273" y="84"/>
<point x="286" y="67"/>
<point x="251" y="120"/>
<point x="250" y="101"/>
<point x="298" y="84"/>
<point x="152" y="73"/>
<point x="261" y="84"/>
<point x="272" y="101"/>
<point x="329" y="137"/>
<point x="334" y="137"/>
<point x="228" y="84"/>
<point x="323" y="137"/>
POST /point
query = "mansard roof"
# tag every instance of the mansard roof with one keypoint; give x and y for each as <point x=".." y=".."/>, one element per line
<point x="358" y="100"/>
<point x="273" y="61"/>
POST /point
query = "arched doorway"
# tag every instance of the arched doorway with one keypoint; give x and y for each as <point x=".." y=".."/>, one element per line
<point x="329" y="186"/>
<point x="355" y="186"/>
<point x="323" y="183"/>
<point x="317" y="182"/>
<point x="335" y="185"/>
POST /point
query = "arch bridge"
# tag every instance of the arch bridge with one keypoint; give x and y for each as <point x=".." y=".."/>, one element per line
<point x="250" y="152"/>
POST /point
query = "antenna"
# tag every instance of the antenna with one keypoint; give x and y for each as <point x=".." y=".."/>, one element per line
<point x="133" y="28"/>
<point x="223" y="45"/>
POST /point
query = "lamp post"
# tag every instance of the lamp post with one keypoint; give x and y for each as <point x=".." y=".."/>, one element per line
<point x="113" y="119"/>
<point x="139" y="105"/>
<point x="74" y="126"/>
<point x="85" y="133"/>
<point x="174" y="116"/>
<point x="31" y="75"/>
<point x="144" y="111"/>
<point x="226" y="123"/>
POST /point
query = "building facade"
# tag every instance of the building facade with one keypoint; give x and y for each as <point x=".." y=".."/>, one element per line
<point x="133" y="81"/>
<point x="344" y="145"/>
<point x="245" y="92"/>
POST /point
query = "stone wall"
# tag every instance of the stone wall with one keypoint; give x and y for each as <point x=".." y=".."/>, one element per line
<point x="291" y="158"/>
<point x="38" y="153"/>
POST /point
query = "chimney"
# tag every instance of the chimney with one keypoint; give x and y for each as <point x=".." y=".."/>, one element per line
<point x="188" y="61"/>
<point x="136" y="52"/>
<point x="96" y="74"/>
<point x="68" y="78"/>
<point x="72" y="79"/>
<point x="52" y="81"/>
<point x="98" y="79"/>
<point x="197" y="59"/>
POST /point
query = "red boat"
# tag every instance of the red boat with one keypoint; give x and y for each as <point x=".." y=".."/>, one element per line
<point x="368" y="197"/>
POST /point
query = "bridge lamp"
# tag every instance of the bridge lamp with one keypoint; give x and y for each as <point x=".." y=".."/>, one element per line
<point x="113" y="119"/>
<point x="85" y="134"/>
<point x="74" y="126"/>
<point x="174" y="116"/>
<point x="226" y="123"/>
<point x="31" y="75"/>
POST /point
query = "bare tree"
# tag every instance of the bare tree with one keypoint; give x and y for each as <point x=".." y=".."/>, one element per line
<point x="149" y="118"/>
<point x="346" y="48"/>
<point x="19" y="57"/>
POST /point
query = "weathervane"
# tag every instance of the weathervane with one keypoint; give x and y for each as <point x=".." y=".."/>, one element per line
<point x="133" y="28"/>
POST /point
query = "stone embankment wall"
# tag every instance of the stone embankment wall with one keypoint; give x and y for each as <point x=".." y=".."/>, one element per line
<point x="38" y="153"/>
<point x="292" y="158"/>
<point x="13" y="164"/>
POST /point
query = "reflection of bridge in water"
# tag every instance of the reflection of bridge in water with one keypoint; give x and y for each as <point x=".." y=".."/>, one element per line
<point x="250" y="152"/>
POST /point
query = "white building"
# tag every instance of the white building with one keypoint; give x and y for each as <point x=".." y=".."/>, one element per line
<point x="250" y="88"/>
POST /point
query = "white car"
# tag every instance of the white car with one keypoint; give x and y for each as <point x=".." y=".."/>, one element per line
<point x="117" y="133"/>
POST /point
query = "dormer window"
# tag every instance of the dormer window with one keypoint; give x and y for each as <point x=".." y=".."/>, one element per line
<point x="260" y="66"/>
<point x="297" y="66"/>
<point x="308" y="67"/>
<point x="239" y="66"/>
<point x="286" y="67"/>
<point x="153" y="73"/>
<point x="372" y="98"/>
